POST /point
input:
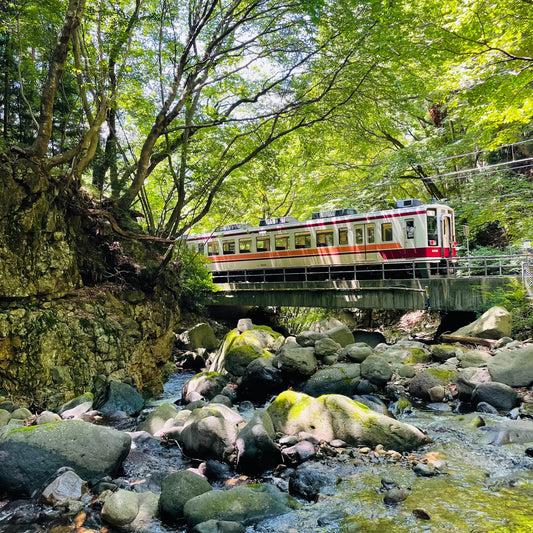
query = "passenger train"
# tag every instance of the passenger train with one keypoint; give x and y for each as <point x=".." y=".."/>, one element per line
<point x="411" y="240"/>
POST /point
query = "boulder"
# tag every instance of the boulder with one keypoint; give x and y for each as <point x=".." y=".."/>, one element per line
<point x="86" y="400"/>
<point x="493" y="324"/>
<point x="66" y="487"/>
<point x="309" y="338"/>
<point x="498" y="395"/>
<point x="376" y="369"/>
<point x="122" y="397"/>
<point x="296" y="361"/>
<point x="326" y="347"/>
<point x="90" y="450"/>
<point x="176" y="490"/>
<point x="239" y="357"/>
<point x="211" y="433"/>
<point x="341" y="334"/>
<point x="470" y="358"/>
<point x="356" y="352"/>
<point x="443" y="352"/>
<point x="335" y="380"/>
<point x="468" y="379"/>
<point x="334" y="416"/>
<point x="308" y="483"/>
<point x="129" y="510"/>
<point x="205" y="385"/>
<point x="199" y="336"/>
<point x="256" y="449"/>
<point x="157" y="419"/>
<point x="260" y="381"/>
<point x="246" y="504"/>
<point x="514" y="367"/>
<point x="421" y="384"/>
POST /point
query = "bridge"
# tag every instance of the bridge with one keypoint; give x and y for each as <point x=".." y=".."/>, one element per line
<point x="468" y="287"/>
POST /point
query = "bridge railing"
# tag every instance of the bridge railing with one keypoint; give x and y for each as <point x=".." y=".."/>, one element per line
<point x="520" y="265"/>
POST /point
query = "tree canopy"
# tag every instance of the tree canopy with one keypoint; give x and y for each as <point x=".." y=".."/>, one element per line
<point x="205" y="112"/>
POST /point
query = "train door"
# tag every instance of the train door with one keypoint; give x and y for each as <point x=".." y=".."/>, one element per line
<point x="365" y="237"/>
<point x="447" y="236"/>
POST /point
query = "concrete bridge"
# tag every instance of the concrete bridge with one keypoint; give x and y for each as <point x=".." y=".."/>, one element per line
<point x="439" y="294"/>
<point x="469" y="287"/>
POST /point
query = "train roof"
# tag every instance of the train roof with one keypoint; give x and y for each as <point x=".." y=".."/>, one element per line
<point x="322" y="218"/>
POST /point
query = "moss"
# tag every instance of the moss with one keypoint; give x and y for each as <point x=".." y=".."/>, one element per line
<point x="417" y="356"/>
<point x="444" y="376"/>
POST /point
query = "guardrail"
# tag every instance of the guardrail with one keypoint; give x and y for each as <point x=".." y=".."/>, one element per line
<point x="520" y="265"/>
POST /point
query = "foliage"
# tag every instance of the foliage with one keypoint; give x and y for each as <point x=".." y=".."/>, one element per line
<point x="514" y="298"/>
<point x="195" y="279"/>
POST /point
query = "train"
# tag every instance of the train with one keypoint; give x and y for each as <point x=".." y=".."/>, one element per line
<point x="412" y="239"/>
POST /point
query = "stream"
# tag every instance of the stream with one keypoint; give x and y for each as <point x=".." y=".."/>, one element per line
<point x="478" y="487"/>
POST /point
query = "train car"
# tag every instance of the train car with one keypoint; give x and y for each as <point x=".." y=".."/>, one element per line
<point x="411" y="240"/>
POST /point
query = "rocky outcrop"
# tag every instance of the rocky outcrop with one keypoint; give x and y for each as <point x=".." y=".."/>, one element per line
<point x="493" y="324"/>
<point x="52" y="351"/>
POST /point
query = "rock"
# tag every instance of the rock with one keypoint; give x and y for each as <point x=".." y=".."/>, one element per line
<point x="327" y="347"/>
<point x="224" y="400"/>
<point x="334" y="416"/>
<point x="308" y="483"/>
<point x="90" y="450"/>
<point x="176" y="490"/>
<point x="205" y="384"/>
<point x="122" y="397"/>
<point x="85" y="400"/>
<point x="443" y="352"/>
<point x="468" y="379"/>
<point x="407" y="371"/>
<point x="356" y="352"/>
<point x="309" y="338"/>
<point x="469" y="358"/>
<point x="211" y="433"/>
<point x="493" y="324"/>
<point x="299" y="452"/>
<point x="199" y="336"/>
<point x="121" y="508"/>
<point x="46" y="417"/>
<point x="5" y="417"/>
<point x="336" y="380"/>
<point x="244" y="324"/>
<point x="157" y="419"/>
<point x="219" y="526"/>
<point x="239" y="357"/>
<point x="341" y="334"/>
<point x="68" y="486"/>
<point x="131" y="510"/>
<point x="296" y="361"/>
<point x="216" y="471"/>
<point x="514" y="368"/>
<point x="437" y="393"/>
<point x="517" y="431"/>
<point x="260" y="381"/>
<point x="239" y="504"/>
<point x="498" y="395"/>
<point x="484" y="407"/>
<point x="396" y="495"/>
<point x="256" y="449"/>
<point x="421" y="384"/>
<point x="20" y="414"/>
<point x="376" y="370"/>
<point x="424" y="470"/>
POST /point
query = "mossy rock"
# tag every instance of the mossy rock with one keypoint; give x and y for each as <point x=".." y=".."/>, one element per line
<point x="239" y="357"/>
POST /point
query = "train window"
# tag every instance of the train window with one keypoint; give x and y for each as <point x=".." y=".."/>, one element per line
<point x="302" y="240"/>
<point x="212" y="248"/>
<point x="433" y="237"/>
<point x="324" y="238"/>
<point x="228" y="247"/>
<point x="343" y="236"/>
<point x="201" y="248"/>
<point x="359" y="235"/>
<point x="370" y="234"/>
<point x="282" y="242"/>
<point x="410" y="229"/>
<point x="245" y="246"/>
<point x="263" y="244"/>
<point x="386" y="232"/>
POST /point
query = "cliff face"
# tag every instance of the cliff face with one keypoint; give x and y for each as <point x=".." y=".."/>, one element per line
<point x="78" y="304"/>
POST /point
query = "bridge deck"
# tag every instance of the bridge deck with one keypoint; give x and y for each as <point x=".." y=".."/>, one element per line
<point x="440" y="294"/>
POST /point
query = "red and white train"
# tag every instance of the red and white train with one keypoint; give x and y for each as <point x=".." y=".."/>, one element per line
<point x="411" y="240"/>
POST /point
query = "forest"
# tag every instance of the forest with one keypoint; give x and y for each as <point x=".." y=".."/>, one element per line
<point x="165" y="117"/>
